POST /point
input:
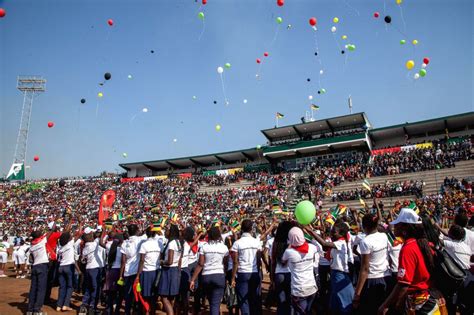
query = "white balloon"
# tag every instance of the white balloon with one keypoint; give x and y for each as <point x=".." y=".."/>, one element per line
<point x="129" y="76"/>
<point x="310" y="97"/>
<point x="416" y="76"/>
<point x="423" y="65"/>
<point x="220" y="70"/>
<point x="333" y="29"/>
<point x="145" y="110"/>
<point x="321" y="71"/>
<point x="245" y="101"/>
<point x="175" y="140"/>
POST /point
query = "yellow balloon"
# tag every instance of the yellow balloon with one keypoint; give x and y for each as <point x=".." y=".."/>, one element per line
<point x="335" y="20"/>
<point x="218" y="127"/>
<point x="100" y="94"/>
<point x="344" y="36"/>
<point x="399" y="2"/>
<point x="410" y="64"/>
<point x="414" y="42"/>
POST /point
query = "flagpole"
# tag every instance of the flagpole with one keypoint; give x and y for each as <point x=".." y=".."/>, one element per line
<point x="276" y="118"/>
<point x="312" y="118"/>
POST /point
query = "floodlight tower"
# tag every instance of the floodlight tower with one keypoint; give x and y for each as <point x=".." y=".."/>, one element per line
<point x="31" y="86"/>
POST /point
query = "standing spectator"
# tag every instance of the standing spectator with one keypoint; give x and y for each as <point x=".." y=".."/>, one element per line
<point x="39" y="272"/>
<point x="4" y="247"/>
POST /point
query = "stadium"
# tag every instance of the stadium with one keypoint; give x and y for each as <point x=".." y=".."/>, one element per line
<point x="364" y="207"/>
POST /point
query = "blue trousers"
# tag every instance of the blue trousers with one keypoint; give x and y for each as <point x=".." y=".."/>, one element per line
<point x="302" y="305"/>
<point x="283" y="291"/>
<point x="91" y="284"/>
<point x="214" y="286"/>
<point x="128" y="293"/>
<point x="247" y="287"/>
<point x="66" y="274"/>
<point x="39" y="282"/>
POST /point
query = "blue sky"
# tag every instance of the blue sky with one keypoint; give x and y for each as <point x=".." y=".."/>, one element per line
<point x="71" y="45"/>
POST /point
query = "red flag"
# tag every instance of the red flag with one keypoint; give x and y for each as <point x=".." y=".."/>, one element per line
<point x="106" y="202"/>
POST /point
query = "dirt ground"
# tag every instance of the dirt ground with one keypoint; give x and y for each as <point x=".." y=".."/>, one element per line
<point x="14" y="297"/>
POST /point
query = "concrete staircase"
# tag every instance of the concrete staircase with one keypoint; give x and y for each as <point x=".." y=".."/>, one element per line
<point x="433" y="181"/>
<point x="210" y="189"/>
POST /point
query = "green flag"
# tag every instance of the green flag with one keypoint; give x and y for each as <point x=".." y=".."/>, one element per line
<point x="17" y="172"/>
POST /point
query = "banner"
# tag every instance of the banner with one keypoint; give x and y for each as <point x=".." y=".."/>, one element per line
<point x="408" y="148"/>
<point x="385" y="151"/>
<point x="209" y="173"/>
<point x="427" y="145"/>
<point x="135" y="179"/>
<point x="185" y="175"/>
<point x="160" y="177"/>
<point x="17" y="172"/>
<point x="106" y="202"/>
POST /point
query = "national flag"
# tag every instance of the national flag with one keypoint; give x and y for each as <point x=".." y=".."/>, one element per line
<point x="362" y="202"/>
<point x="414" y="207"/>
<point x="156" y="226"/>
<point x="314" y="107"/>
<point x="308" y="237"/>
<point x="279" y="115"/>
<point x="173" y="216"/>
<point x="120" y="216"/>
<point x="17" y="172"/>
<point x="330" y="218"/>
<point x="276" y="207"/>
<point x="162" y="221"/>
<point x="366" y="185"/>
<point x="339" y="209"/>
<point x="392" y="239"/>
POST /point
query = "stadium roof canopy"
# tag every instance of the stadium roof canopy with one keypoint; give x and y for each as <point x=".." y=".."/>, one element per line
<point x="425" y="127"/>
<point x="199" y="160"/>
<point x="315" y="127"/>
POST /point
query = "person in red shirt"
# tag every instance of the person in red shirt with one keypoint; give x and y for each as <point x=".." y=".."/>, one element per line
<point x="412" y="291"/>
<point x="51" y="245"/>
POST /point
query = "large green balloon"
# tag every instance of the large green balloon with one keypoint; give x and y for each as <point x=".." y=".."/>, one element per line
<point x="305" y="212"/>
<point x="201" y="15"/>
<point x="422" y="72"/>
<point x="402" y="42"/>
<point x="279" y="20"/>
<point x="227" y="65"/>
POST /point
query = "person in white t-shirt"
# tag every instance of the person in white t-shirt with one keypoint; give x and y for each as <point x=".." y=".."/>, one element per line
<point x="168" y="287"/>
<point x="21" y="258"/>
<point x="67" y="265"/>
<point x="212" y="259"/>
<point x="280" y="275"/>
<point x="4" y="248"/>
<point x="39" y="271"/>
<point x="342" y="291"/>
<point x="300" y="258"/>
<point x="93" y="256"/>
<point x="129" y="264"/>
<point x="149" y="262"/>
<point x="371" y="289"/>
<point x="247" y="261"/>
<point x="457" y="248"/>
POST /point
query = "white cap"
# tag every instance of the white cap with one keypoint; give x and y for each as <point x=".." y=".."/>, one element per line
<point x="51" y="225"/>
<point x="407" y="215"/>
<point x="88" y="230"/>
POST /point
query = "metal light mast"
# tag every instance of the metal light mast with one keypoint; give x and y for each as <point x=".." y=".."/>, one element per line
<point x="31" y="86"/>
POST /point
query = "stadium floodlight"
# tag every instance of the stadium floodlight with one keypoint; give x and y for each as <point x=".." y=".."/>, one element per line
<point x="30" y="86"/>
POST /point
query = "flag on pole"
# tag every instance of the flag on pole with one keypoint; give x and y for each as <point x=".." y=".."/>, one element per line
<point x="366" y="185"/>
<point x="17" y="172"/>
<point x="279" y="115"/>
<point x="314" y="107"/>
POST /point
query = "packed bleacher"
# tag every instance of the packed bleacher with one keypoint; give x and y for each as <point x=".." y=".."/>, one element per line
<point x="177" y="219"/>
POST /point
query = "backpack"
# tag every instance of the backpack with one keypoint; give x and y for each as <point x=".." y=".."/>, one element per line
<point x="448" y="275"/>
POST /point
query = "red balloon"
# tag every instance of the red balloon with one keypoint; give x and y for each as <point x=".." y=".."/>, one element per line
<point x="426" y="60"/>
<point x="376" y="15"/>
<point x="110" y="22"/>
<point x="204" y="2"/>
<point x="36" y="158"/>
<point x="258" y="60"/>
<point x="312" y="21"/>
<point x="280" y="2"/>
<point x="50" y="124"/>
<point x="265" y="54"/>
<point x="2" y="12"/>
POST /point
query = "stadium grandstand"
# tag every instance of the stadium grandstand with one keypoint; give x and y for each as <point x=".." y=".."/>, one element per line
<point x="295" y="147"/>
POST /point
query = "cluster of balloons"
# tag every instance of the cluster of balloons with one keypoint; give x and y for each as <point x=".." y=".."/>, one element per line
<point x="2" y="12"/>
<point x="422" y="71"/>
<point x="305" y="212"/>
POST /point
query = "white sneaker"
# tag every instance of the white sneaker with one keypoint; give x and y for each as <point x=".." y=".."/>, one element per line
<point x="3" y="276"/>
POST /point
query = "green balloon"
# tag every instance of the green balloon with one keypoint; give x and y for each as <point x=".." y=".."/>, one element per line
<point x="422" y="72"/>
<point x="201" y="15"/>
<point x="194" y="97"/>
<point x="351" y="47"/>
<point x="323" y="91"/>
<point x="279" y="20"/>
<point x="305" y="212"/>
<point x="227" y="65"/>
<point x="402" y="42"/>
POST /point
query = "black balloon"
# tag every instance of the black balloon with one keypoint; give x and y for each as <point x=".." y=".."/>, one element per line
<point x="343" y="52"/>
<point x="215" y="102"/>
<point x="388" y="19"/>
<point x="308" y="79"/>
<point x="316" y="53"/>
<point x="107" y="76"/>
<point x="83" y="100"/>
<point x="319" y="92"/>
<point x="152" y="51"/>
